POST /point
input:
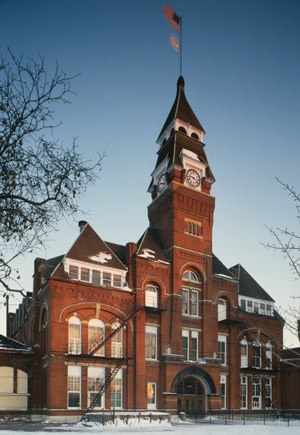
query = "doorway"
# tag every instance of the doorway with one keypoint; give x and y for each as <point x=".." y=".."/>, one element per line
<point x="191" y="397"/>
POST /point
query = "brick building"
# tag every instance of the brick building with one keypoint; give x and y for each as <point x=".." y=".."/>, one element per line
<point x="161" y="324"/>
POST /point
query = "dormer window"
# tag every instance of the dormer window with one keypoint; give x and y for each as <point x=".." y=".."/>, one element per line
<point x="195" y="136"/>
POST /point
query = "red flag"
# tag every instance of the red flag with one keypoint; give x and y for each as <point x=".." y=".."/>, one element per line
<point x="175" y="43"/>
<point x="173" y="19"/>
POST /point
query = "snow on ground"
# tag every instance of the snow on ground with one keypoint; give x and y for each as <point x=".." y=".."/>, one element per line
<point x="276" y="428"/>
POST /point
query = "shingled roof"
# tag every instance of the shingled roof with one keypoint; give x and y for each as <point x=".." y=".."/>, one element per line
<point x="12" y="345"/>
<point x="150" y="246"/>
<point x="248" y="286"/>
<point x="90" y="248"/>
<point x="220" y="270"/>
<point x="181" y="109"/>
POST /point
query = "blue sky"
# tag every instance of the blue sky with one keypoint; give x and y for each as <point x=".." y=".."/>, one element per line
<point x="241" y="65"/>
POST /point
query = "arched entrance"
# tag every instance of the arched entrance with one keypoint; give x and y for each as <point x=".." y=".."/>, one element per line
<point x="191" y="397"/>
<point x="192" y="386"/>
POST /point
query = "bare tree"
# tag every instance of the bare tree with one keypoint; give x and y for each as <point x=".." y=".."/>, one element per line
<point x="40" y="179"/>
<point x="287" y="243"/>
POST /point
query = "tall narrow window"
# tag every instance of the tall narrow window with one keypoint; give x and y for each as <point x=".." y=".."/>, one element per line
<point x="269" y="355"/>
<point x="222" y="310"/>
<point x="151" y="395"/>
<point x="151" y="296"/>
<point x="74" y="335"/>
<point x="74" y="382"/>
<point x="194" y="303"/>
<point x="84" y="274"/>
<point x="117" y="280"/>
<point x="244" y="353"/>
<point x="96" y="378"/>
<point x="96" y="335"/>
<point x="256" y="392"/>
<point x="244" y="392"/>
<point x="116" y="342"/>
<point x="223" y="391"/>
<point x="222" y="348"/>
<point x="185" y="301"/>
<point x="194" y="346"/>
<point x="185" y="345"/>
<point x="151" y="342"/>
<point x="116" y="390"/>
<point x="268" y="385"/>
<point x="257" y="355"/>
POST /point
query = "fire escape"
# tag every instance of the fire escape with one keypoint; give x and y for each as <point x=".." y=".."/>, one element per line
<point x="117" y="362"/>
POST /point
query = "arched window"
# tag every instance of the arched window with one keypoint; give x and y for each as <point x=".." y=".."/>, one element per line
<point x="195" y="136"/>
<point x="96" y="335"/>
<point x="190" y="293"/>
<point x="151" y="296"/>
<point x="222" y="310"/>
<point x="182" y="130"/>
<point x="268" y="355"/>
<point x="190" y="276"/>
<point x="244" y="353"/>
<point x="117" y="341"/>
<point x="74" y="335"/>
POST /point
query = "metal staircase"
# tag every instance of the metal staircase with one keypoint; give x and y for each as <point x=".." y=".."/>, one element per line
<point x="110" y="373"/>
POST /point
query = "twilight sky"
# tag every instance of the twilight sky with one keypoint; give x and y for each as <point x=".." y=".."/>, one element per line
<point x="241" y="64"/>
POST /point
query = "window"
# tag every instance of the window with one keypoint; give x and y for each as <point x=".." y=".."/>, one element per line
<point x="151" y="342"/>
<point x="116" y="342"/>
<point x="185" y="345"/>
<point x="256" y="307"/>
<point x="96" y="378"/>
<point x="96" y="277"/>
<point x="195" y="136"/>
<point x="269" y="355"/>
<point x="185" y="301"/>
<point x="222" y="310"/>
<point x="151" y="395"/>
<point x="222" y="348"/>
<point x="151" y="296"/>
<point x="74" y="381"/>
<point x="268" y="310"/>
<point x="106" y="279"/>
<point x="117" y="280"/>
<point x="268" y="384"/>
<point x="193" y="228"/>
<point x="182" y="129"/>
<point x="194" y="303"/>
<point x="257" y="355"/>
<point x="84" y="274"/>
<point x="194" y="346"/>
<point x="243" y="304"/>
<point x="190" y="276"/>
<point x="223" y="391"/>
<point x="244" y="392"/>
<point x="96" y="335"/>
<point x="74" y="335"/>
<point x="262" y="308"/>
<point x="256" y="392"/>
<point x="73" y="272"/>
<point x="244" y="353"/>
<point x="250" y="306"/>
<point x="116" y="391"/>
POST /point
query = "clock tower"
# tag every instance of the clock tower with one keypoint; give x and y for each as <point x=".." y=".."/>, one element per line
<point x="182" y="207"/>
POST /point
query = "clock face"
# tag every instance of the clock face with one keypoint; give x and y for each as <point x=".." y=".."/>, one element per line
<point x="193" y="178"/>
<point x="162" y="182"/>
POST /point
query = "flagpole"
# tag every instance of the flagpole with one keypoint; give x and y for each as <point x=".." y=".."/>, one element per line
<point x="180" y="53"/>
